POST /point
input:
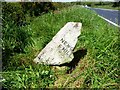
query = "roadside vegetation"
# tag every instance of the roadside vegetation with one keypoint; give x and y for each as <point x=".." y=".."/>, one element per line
<point x="105" y="5"/>
<point x="98" y="68"/>
<point x="113" y="5"/>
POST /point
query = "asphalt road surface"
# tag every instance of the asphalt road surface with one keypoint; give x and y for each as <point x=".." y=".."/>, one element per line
<point x="112" y="15"/>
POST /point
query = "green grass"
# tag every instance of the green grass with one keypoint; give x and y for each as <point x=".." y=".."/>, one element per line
<point x="97" y="69"/>
<point x="106" y="7"/>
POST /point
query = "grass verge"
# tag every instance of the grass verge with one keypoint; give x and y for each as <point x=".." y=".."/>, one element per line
<point x="97" y="69"/>
<point x="106" y="7"/>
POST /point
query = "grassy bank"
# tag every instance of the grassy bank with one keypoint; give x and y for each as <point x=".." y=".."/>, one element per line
<point x="97" y="68"/>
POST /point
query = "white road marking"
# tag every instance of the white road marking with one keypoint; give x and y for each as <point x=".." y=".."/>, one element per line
<point x="109" y="21"/>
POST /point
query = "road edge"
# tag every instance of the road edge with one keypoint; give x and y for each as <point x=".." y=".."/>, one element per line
<point x="109" y="21"/>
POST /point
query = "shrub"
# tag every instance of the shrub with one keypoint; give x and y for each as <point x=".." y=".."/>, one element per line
<point x="116" y="4"/>
<point x="37" y="8"/>
<point x="12" y="12"/>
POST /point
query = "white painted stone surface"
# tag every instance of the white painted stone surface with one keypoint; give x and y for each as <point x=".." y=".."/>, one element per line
<point x="60" y="49"/>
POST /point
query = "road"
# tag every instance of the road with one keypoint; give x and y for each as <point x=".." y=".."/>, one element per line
<point x="112" y="15"/>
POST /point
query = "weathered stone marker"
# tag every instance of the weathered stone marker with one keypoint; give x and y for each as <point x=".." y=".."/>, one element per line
<point x="59" y="49"/>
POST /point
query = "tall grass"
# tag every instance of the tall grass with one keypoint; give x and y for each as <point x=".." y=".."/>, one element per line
<point x="99" y="68"/>
<point x="98" y="37"/>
